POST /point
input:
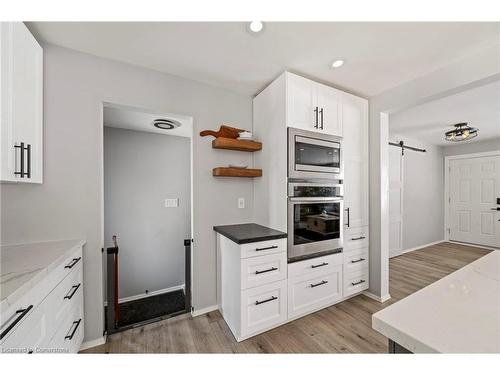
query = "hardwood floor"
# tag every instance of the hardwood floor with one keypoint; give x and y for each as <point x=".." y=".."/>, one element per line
<point x="343" y="328"/>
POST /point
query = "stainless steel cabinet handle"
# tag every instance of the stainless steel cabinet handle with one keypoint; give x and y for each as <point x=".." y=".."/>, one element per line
<point x="22" y="313"/>
<point x="323" y="282"/>
<point x="266" y="248"/>
<point x="358" y="238"/>
<point x="359" y="260"/>
<point x="319" y="265"/>
<point x="269" y="270"/>
<point x="266" y="300"/>
<point x="70" y="336"/>
<point x="358" y="282"/>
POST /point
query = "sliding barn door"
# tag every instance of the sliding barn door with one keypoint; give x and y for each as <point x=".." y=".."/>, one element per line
<point x="395" y="201"/>
<point x="474" y="186"/>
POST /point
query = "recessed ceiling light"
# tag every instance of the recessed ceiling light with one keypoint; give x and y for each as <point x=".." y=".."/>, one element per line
<point x="337" y="63"/>
<point x="256" y="26"/>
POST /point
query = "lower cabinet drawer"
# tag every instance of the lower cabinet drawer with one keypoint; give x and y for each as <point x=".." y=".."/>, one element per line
<point x="262" y="270"/>
<point x="355" y="282"/>
<point x="308" y="293"/>
<point x="69" y="335"/>
<point x="356" y="260"/>
<point x="263" y="308"/>
<point x="316" y="266"/>
<point x="355" y="238"/>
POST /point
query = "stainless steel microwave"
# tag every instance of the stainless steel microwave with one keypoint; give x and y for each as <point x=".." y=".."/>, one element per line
<point x="313" y="155"/>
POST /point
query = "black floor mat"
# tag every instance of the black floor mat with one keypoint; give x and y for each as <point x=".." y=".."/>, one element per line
<point x="151" y="307"/>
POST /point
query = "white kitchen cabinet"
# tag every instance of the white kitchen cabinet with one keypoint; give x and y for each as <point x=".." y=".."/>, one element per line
<point x="21" y="104"/>
<point x="355" y="151"/>
<point x="313" y="106"/>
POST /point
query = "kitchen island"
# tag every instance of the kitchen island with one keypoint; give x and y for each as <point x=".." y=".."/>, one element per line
<point x="458" y="314"/>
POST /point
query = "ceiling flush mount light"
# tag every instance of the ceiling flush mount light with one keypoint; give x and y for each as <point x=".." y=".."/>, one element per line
<point x="337" y="63"/>
<point x="461" y="132"/>
<point x="166" y="124"/>
<point x="256" y="26"/>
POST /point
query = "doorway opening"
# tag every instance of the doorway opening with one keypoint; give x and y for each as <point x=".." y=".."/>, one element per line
<point x="147" y="186"/>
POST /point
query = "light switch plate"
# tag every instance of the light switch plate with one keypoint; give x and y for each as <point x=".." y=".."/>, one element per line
<point x="241" y="202"/>
<point x="172" y="202"/>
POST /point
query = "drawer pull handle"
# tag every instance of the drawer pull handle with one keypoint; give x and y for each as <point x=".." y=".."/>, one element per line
<point x="358" y="260"/>
<point x="22" y="313"/>
<point x="323" y="282"/>
<point x="266" y="248"/>
<point x="73" y="290"/>
<point x="266" y="300"/>
<point x="319" y="265"/>
<point x="70" y="336"/>
<point x="269" y="270"/>
<point x="358" y="238"/>
<point x="72" y="263"/>
<point x="358" y="282"/>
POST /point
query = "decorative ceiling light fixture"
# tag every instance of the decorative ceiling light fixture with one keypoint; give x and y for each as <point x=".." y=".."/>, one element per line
<point x="462" y="132"/>
<point x="256" y="26"/>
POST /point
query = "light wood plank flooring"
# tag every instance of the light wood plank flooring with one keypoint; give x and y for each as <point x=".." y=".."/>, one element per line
<point x="343" y="328"/>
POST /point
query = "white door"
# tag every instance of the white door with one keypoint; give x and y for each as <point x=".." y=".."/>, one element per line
<point x="474" y="186"/>
<point x="330" y="110"/>
<point x="302" y="112"/>
<point x="355" y="154"/>
<point x="395" y="201"/>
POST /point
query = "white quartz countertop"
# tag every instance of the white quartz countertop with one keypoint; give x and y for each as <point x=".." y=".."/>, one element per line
<point x="22" y="266"/>
<point x="458" y="314"/>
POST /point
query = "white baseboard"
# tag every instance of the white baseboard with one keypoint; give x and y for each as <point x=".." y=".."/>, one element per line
<point x="153" y="293"/>
<point x="377" y="298"/>
<point x="204" y="310"/>
<point x="90" y="344"/>
<point x="415" y="248"/>
<point x="473" y="245"/>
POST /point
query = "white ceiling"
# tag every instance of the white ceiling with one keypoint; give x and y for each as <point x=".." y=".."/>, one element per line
<point x="480" y="107"/>
<point x="117" y="116"/>
<point x="378" y="56"/>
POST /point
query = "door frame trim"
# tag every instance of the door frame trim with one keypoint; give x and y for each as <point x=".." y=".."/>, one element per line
<point x="447" y="184"/>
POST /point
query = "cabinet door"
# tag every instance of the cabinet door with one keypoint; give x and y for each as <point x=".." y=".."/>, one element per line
<point x="300" y="107"/>
<point x="329" y="101"/>
<point x="21" y="107"/>
<point x="355" y="151"/>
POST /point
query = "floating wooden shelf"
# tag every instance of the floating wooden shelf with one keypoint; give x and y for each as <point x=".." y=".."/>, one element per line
<point x="236" y="144"/>
<point x="236" y="172"/>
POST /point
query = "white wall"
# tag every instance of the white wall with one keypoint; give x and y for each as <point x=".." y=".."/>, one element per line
<point x="473" y="146"/>
<point x="141" y="170"/>
<point x="69" y="203"/>
<point x="423" y="189"/>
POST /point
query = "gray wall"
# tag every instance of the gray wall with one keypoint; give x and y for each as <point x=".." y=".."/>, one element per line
<point x="473" y="146"/>
<point x="140" y="170"/>
<point x="423" y="191"/>
<point x="69" y="202"/>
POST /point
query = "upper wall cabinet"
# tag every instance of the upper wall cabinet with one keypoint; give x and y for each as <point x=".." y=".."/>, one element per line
<point x="21" y="104"/>
<point x="313" y="106"/>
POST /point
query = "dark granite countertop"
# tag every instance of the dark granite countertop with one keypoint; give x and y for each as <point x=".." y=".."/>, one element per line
<point x="248" y="233"/>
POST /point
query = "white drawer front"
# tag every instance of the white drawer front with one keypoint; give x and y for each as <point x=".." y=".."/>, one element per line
<point x="355" y="260"/>
<point x="69" y="335"/>
<point x="355" y="282"/>
<point x="356" y="238"/>
<point x="262" y="270"/>
<point x="315" y="266"/>
<point x="66" y="294"/>
<point x="256" y="249"/>
<point x="263" y="307"/>
<point x="306" y="294"/>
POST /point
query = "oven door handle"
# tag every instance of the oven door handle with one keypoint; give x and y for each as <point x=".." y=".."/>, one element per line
<point x="315" y="199"/>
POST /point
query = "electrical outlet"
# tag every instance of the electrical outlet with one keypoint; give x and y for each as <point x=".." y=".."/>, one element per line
<point x="172" y="202"/>
<point x="241" y="202"/>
